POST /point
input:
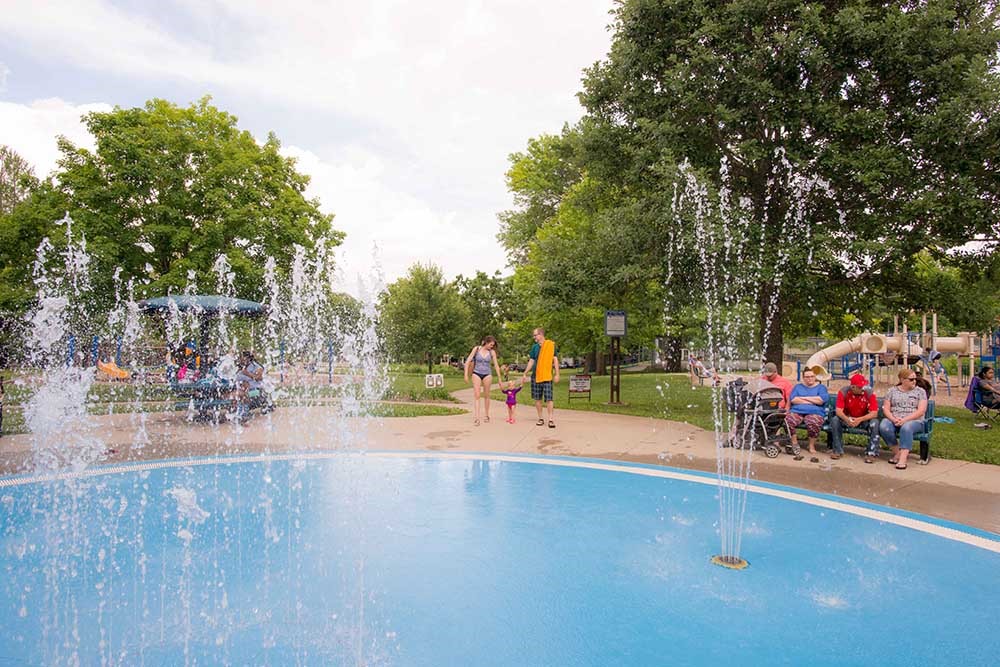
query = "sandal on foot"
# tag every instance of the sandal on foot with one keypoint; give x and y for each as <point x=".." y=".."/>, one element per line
<point x="475" y="422"/>
<point x="540" y="422"/>
<point x="893" y="461"/>
<point x="552" y="424"/>
<point x="486" y="419"/>
<point x="869" y="459"/>
<point x="900" y="466"/>
<point x="814" y="459"/>
<point x="835" y="456"/>
<point x="798" y="457"/>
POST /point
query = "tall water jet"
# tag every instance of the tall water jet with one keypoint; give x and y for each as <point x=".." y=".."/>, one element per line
<point x="743" y="268"/>
<point x="57" y="413"/>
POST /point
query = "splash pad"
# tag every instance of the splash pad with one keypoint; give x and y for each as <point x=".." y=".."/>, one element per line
<point x="429" y="559"/>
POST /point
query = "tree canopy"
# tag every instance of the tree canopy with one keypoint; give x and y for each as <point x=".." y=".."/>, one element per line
<point x="166" y="190"/>
<point x="17" y="179"/>
<point x="422" y="317"/>
<point x="849" y="136"/>
<point x="492" y="306"/>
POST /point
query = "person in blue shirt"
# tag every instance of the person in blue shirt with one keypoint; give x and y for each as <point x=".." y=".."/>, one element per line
<point x="808" y="406"/>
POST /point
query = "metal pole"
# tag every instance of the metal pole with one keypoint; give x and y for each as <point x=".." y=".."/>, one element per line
<point x="329" y="360"/>
<point x="281" y="361"/>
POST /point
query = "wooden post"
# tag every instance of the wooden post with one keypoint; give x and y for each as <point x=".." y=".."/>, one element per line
<point x="616" y="371"/>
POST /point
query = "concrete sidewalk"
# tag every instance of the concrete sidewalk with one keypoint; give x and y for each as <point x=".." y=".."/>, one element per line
<point x="955" y="490"/>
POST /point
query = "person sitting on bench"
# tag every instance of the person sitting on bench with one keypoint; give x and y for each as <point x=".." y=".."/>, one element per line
<point x="697" y="370"/>
<point x="808" y="406"/>
<point x="903" y="418"/>
<point x="857" y="407"/>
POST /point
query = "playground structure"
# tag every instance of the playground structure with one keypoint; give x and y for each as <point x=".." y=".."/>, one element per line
<point x="877" y="354"/>
<point x="112" y="370"/>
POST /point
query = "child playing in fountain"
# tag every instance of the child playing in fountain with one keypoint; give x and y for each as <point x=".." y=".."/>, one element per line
<point x="510" y="390"/>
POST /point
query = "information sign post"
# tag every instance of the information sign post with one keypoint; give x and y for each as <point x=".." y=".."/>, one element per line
<point x="615" y="326"/>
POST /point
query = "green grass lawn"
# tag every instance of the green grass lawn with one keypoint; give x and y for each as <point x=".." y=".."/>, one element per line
<point x="410" y="386"/>
<point x="670" y="396"/>
<point x="664" y="396"/>
<point x="404" y="410"/>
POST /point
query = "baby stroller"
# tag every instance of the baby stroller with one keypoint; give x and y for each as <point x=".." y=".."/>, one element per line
<point x="758" y="418"/>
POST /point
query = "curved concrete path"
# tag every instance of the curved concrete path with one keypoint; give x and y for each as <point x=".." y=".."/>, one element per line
<point x="955" y="490"/>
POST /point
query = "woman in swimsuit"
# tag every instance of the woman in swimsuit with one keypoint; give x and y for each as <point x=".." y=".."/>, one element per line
<point x="480" y="363"/>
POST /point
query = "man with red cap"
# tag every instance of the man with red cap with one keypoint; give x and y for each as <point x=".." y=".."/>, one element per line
<point x="857" y="407"/>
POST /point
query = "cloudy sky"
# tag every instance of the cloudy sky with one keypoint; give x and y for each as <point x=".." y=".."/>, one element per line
<point x="403" y="113"/>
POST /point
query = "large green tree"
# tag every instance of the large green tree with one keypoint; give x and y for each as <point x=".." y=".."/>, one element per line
<point x="492" y="307"/>
<point x="893" y="104"/>
<point x="581" y="245"/>
<point x="17" y="179"/>
<point x="166" y="190"/>
<point x="422" y="316"/>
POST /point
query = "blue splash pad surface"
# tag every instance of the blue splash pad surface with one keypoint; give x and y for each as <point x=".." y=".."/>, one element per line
<point x="449" y="561"/>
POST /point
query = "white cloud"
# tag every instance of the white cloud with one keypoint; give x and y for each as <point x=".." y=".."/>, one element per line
<point x="31" y="130"/>
<point x="441" y="91"/>
<point x="405" y="229"/>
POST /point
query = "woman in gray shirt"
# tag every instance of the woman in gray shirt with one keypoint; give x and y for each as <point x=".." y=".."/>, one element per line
<point x="903" y="411"/>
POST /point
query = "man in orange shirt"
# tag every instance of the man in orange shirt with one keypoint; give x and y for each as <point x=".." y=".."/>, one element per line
<point x="545" y="363"/>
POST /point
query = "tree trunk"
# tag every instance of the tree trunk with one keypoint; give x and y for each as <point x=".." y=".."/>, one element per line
<point x="670" y="354"/>
<point x="430" y="363"/>
<point x="772" y="340"/>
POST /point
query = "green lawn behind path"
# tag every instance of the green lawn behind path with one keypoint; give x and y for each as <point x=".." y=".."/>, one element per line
<point x="670" y="396"/>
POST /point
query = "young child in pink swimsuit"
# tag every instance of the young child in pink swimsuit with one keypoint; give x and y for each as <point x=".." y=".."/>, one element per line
<point x="511" y="391"/>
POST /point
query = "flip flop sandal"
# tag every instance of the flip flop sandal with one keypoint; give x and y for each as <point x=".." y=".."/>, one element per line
<point x="869" y="459"/>
<point x="799" y="457"/>
<point x="814" y="460"/>
<point x="900" y="466"/>
<point x="540" y="422"/>
<point x="835" y="456"/>
<point x="552" y="424"/>
<point x="486" y="420"/>
<point x="475" y="422"/>
<point x="893" y="461"/>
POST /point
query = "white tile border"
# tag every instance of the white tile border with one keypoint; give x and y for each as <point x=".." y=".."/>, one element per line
<point x="929" y="527"/>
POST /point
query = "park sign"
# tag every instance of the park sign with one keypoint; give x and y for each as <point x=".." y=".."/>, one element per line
<point x="615" y="324"/>
<point x="579" y="384"/>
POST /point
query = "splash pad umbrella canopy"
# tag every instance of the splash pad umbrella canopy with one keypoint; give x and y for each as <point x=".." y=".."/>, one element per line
<point x="206" y="307"/>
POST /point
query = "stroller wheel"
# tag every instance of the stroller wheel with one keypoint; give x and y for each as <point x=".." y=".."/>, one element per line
<point x="771" y="451"/>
